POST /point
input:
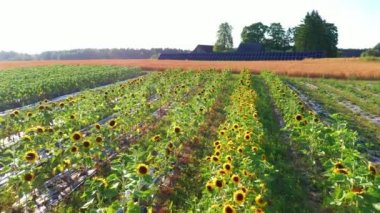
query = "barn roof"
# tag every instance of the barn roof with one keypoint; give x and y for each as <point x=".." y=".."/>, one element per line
<point x="203" y="48"/>
<point x="250" y="47"/>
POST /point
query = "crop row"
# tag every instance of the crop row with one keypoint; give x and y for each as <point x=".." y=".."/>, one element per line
<point x="343" y="177"/>
<point x="19" y="87"/>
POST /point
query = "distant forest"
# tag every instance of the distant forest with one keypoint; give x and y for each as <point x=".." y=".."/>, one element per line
<point x="90" y="54"/>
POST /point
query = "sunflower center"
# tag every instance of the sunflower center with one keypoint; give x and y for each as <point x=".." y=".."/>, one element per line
<point x="239" y="197"/>
<point x="143" y="170"/>
<point x="228" y="209"/>
<point x="219" y="183"/>
<point x="30" y="156"/>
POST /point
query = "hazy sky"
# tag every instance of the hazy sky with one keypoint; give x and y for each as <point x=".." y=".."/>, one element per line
<point x="33" y="26"/>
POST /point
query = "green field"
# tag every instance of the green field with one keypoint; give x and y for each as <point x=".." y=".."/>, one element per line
<point x="186" y="141"/>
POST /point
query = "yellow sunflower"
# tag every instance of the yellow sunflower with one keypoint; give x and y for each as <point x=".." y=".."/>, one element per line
<point x="76" y="136"/>
<point x="239" y="197"/>
<point x="228" y="209"/>
<point x="142" y="169"/>
<point x="31" y="156"/>
<point x="260" y="201"/>
<point x="236" y="179"/>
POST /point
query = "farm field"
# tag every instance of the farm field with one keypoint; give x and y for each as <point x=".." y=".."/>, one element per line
<point x="187" y="141"/>
<point x="342" y="68"/>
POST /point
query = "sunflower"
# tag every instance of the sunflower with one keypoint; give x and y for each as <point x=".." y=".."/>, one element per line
<point x="215" y="158"/>
<point x="156" y="138"/>
<point x="358" y="190"/>
<point x="217" y="153"/>
<point x="222" y="172"/>
<point x="27" y="138"/>
<point x="142" y="169"/>
<point x="40" y="129"/>
<point x="245" y="190"/>
<point x="86" y="144"/>
<point x="222" y="132"/>
<point x="228" y="209"/>
<point x="260" y="201"/>
<point x="255" y="148"/>
<point x="254" y="209"/>
<point x="67" y="162"/>
<point x="341" y="171"/>
<point x="112" y="123"/>
<point x="236" y="126"/>
<point x="219" y="183"/>
<point x="227" y="167"/>
<point x="240" y="149"/>
<point x="97" y="126"/>
<point x="177" y="129"/>
<point x="239" y="197"/>
<point x="210" y="186"/>
<point x="170" y="146"/>
<point x="236" y="179"/>
<point x="31" y="156"/>
<point x="372" y="169"/>
<point x="28" y="177"/>
<point x="99" y="139"/>
<point x="299" y="117"/>
<point x="102" y="181"/>
<point x="338" y="165"/>
<point x="61" y="104"/>
<point x="247" y="137"/>
<point x="72" y="117"/>
<point x="29" y="114"/>
<point x="218" y="147"/>
<point x="76" y="136"/>
<point x="74" y="149"/>
<point x="229" y="158"/>
<point x="216" y="143"/>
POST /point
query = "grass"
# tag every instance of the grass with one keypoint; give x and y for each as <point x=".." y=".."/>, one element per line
<point x="368" y="131"/>
<point x="289" y="187"/>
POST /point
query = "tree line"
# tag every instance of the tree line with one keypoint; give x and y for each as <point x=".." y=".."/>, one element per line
<point x="313" y="34"/>
<point x="90" y="54"/>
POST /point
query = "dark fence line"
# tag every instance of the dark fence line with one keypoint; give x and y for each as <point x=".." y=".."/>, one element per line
<point x="259" y="56"/>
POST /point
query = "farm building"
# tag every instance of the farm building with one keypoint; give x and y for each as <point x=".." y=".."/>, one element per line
<point x="200" y="48"/>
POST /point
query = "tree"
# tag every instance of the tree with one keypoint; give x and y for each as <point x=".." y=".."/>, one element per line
<point x="254" y="33"/>
<point x="374" y="52"/>
<point x="224" y="41"/>
<point x="276" y="38"/>
<point x="315" y="34"/>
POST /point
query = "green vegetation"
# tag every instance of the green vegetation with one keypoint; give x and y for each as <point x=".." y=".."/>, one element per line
<point x="332" y="94"/>
<point x="225" y="41"/>
<point x="187" y="141"/>
<point x="315" y="34"/>
<point x="23" y="86"/>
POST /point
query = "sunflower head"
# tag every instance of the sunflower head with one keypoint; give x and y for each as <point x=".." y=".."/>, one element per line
<point x="156" y="138"/>
<point x="97" y="126"/>
<point x="142" y="169"/>
<point x="219" y="183"/>
<point x="358" y="190"/>
<point x="299" y="117"/>
<point x="235" y="179"/>
<point x="240" y="149"/>
<point x="31" y="156"/>
<point x="177" y="129"/>
<point x="217" y="153"/>
<point x="74" y="149"/>
<point x="215" y="159"/>
<point x="236" y="126"/>
<point x="28" y="177"/>
<point x="216" y="143"/>
<point x="338" y="165"/>
<point x="99" y="139"/>
<point x="239" y="197"/>
<point x="227" y="167"/>
<point x="260" y="201"/>
<point x="372" y="169"/>
<point x="210" y="186"/>
<point x="76" y="136"/>
<point x="222" y="132"/>
<point x="343" y="171"/>
<point x="229" y="158"/>
<point x="247" y="137"/>
<point x="86" y="144"/>
<point x="112" y="123"/>
<point x="222" y="172"/>
<point x="228" y="209"/>
<point x="29" y="114"/>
